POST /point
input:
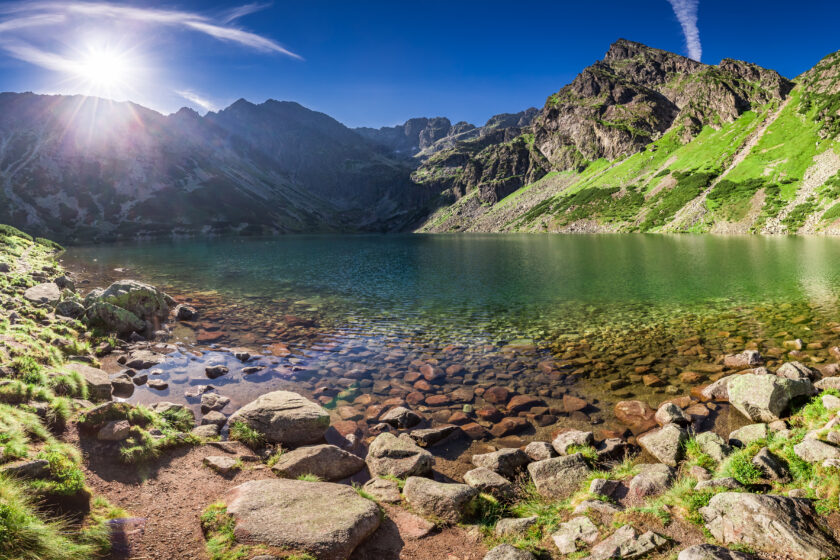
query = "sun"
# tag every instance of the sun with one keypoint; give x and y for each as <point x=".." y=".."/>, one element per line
<point x="104" y="69"/>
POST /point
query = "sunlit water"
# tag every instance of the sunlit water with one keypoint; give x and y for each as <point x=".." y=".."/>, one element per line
<point x="604" y="307"/>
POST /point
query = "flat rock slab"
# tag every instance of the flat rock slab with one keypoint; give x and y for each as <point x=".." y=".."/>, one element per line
<point x="508" y="552"/>
<point x="712" y="552"/>
<point x="43" y="293"/>
<point x="285" y="417"/>
<point x="776" y="524"/>
<point x="327" y="462"/>
<point x="323" y="519"/>
<point x="383" y="489"/>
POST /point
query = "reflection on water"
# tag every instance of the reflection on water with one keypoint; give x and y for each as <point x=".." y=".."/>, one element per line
<point x="607" y="310"/>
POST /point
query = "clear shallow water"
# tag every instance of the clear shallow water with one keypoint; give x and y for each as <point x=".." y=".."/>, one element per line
<point x="493" y="285"/>
<point x="605" y="310"/>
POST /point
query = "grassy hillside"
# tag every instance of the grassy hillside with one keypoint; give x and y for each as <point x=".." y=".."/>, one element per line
<point x="775" y="168"/>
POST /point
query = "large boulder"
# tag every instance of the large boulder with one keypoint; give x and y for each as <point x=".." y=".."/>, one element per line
<point x="764" y="398"/>
<point x="775" y="524"/>
<point x="563" y="442"/>
<point x="97" y="381"/>
<point x="327" y="462"/>
<point x="47" y="293"/>
<point x="397" y="456"/>
<point x="285" y="417"/>
<point x="449" y="502"/>
<point x="70" y="308"/>
<point x="143" y="300"/>
<point x="323" y="519"/>
<point x="560" y="476"/>
<point x="506" y="462"/>
<point x="666" y="444"/>
<point x="113" y="318"/>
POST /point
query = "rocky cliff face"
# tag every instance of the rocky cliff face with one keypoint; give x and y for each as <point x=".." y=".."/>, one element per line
<point x="76" y="167"/>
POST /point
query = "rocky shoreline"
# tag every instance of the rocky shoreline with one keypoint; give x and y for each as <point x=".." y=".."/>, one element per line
<point x="331" y="474"/>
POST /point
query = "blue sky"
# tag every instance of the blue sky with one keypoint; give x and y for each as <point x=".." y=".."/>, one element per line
<point x="373" y="63"/>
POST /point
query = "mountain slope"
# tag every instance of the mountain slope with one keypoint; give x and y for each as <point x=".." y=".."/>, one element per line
<point x="86" y="168"/>
<point x="650" y="141"/>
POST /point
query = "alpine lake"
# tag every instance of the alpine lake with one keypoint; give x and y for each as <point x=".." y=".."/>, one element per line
<point x="511" y="336"/>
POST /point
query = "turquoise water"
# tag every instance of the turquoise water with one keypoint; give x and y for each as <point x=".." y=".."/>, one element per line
<point x="494" y="285"/>
<point x="603" y="309"/>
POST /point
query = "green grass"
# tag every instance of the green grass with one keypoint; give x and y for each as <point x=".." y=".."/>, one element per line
<point x="664" y="205"/>
<point x="308" y="477"/>
<point x="241" y="431"/>
<point x="218" y="528"/>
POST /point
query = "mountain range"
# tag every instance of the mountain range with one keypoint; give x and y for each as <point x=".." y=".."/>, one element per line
<point x="642" y="140"/>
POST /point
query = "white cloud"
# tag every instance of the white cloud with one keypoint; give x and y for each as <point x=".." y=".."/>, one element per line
<point x="31" y="14"/>
<point x="243" y="11"/>
<point x="686" y="12"/>
<point x="196" y="99"/>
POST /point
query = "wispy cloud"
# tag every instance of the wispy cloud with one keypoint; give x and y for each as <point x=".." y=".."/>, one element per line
<point x="196" y="99"/>
<point x="686" y="12"/>
<point x="32" y="14"/>
<point x="244" y="10"/>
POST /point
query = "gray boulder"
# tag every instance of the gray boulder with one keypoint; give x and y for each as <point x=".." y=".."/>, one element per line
<point x="490" y="482"/>
<point x="97" y="381"/>
<point x="560" y="476"/>
<point x="744" y="436"/>
<point x="323" y="519"/>
<point x="797" y="371"/>
<point x="508" y="552"/>
<point x="666" y="444"/>
<point x="401" y="417"/>
<point x="771" y="466"/>
<point x="449" y="502"/>
<point x="815" y="451"/>
<point x="285" y="417"/>
<point x="713" y="445"/>
<point x="726" y="482"/>
<point x="397" y="456"/>
<point x="47" y="293"/>
<point x="576" y="530"/>
<point x="764" y="398"/>
<point x="513" y="526"/>
<point x="719" y="390"/>
<point x="383" y="489"/>
<point x="70" y="308"/>
<point x="506" y="462"/>
<point x="775" y="524"/>
<point x="122" y="386"/>
<point x="539" y="450"/>
<point x="564" y="441"/>
<point x="143" y="359"/>
<point x="669" y="413"/>
<point x="113" y="318"/>
<point x="143" y="300"/>
<point x="327" y="462"/>
<point x="651" y="480"/>
<point x="627" y="543"/>
<point x="712" y="552"/>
